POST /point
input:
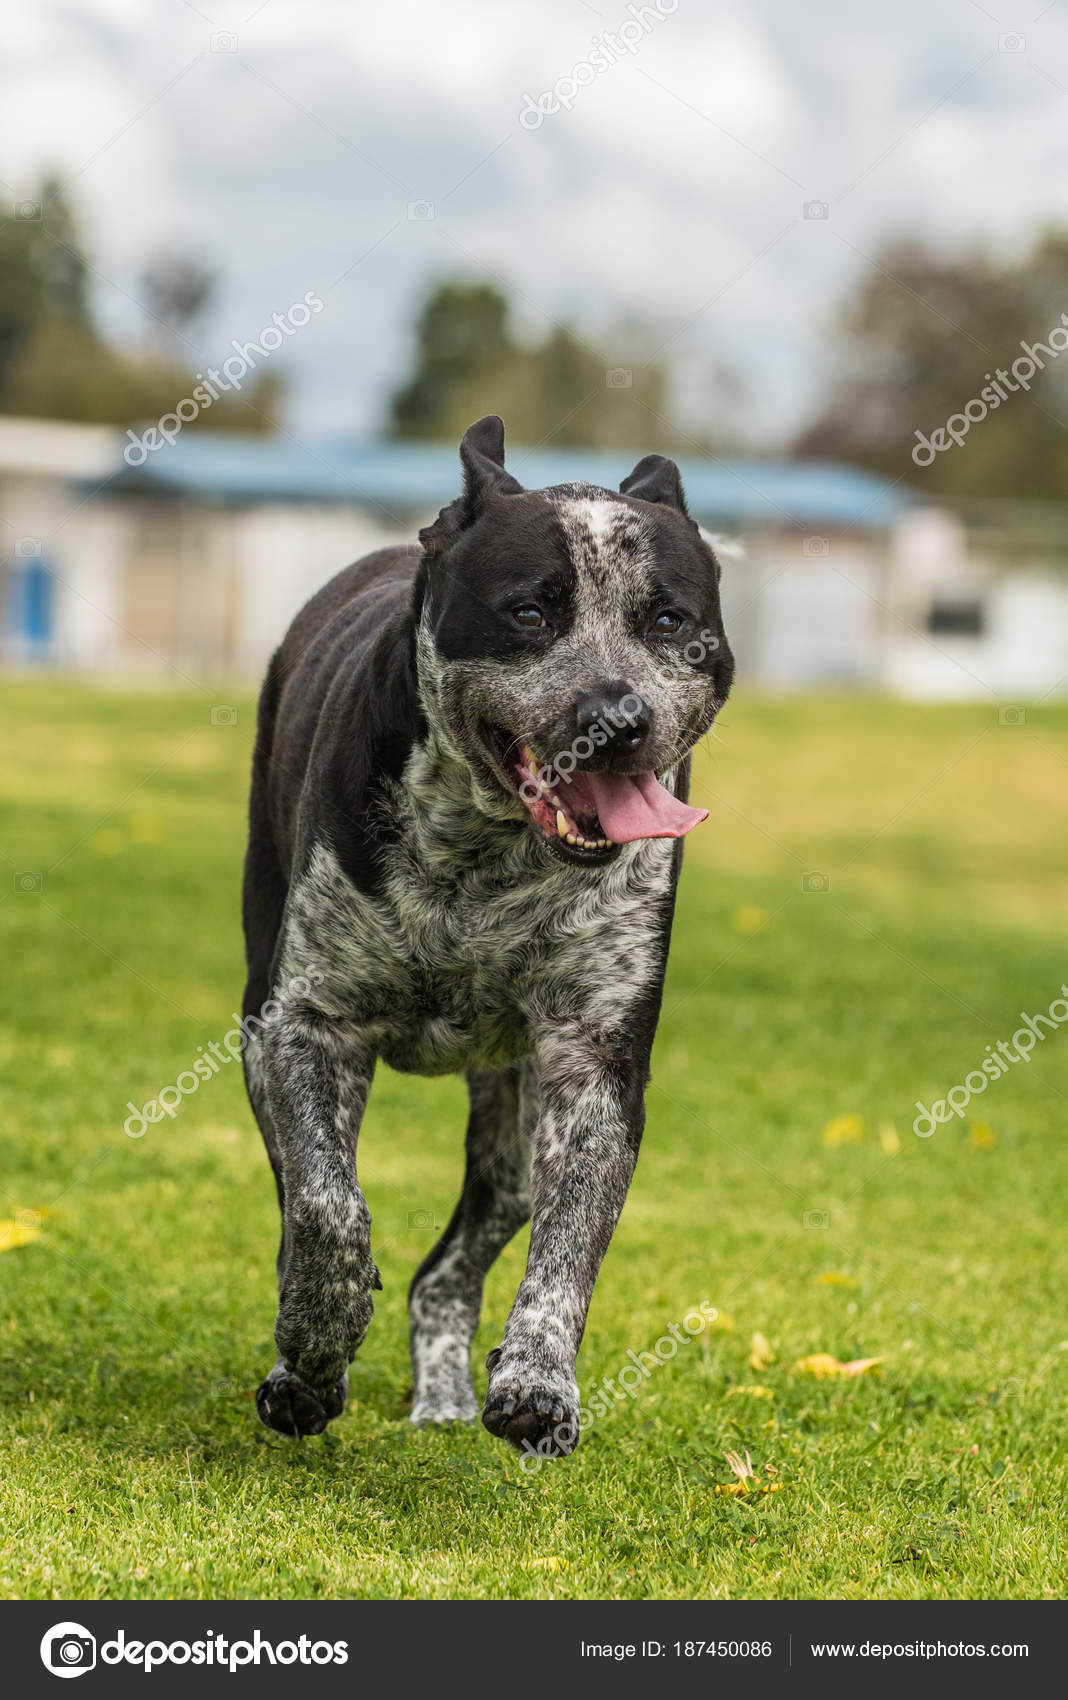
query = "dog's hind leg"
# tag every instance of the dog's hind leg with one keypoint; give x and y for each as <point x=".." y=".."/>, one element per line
<point x="446" y="1293"/>
<point x="316" y="1079"/>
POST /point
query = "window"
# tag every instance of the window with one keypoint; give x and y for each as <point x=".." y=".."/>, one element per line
<point x="963" y="618"/>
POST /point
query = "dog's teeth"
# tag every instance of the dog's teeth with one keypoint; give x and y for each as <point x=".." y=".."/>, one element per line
<point x="561" y="823"/>
<point x="571" y="839"/>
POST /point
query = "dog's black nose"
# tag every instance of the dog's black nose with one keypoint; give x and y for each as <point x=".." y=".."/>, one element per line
<point x="618" y="711"/>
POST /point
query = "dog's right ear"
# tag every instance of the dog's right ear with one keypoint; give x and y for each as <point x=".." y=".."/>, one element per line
<point x="656" y="479"/>
<point x="482" y="456"/>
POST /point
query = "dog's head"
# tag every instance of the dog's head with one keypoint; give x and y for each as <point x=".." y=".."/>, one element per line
<point x="571" y="648"/>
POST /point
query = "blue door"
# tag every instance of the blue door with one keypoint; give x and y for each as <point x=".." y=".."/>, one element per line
<point x="29" y="608"/>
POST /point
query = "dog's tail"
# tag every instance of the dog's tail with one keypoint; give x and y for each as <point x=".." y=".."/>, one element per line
<point x="265" y="884"/>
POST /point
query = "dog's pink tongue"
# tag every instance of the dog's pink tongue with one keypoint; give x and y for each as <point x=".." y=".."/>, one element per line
<point x="636" y="805"/>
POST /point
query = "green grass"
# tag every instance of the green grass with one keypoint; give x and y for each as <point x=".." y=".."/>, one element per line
<point x="134" y="1330"/>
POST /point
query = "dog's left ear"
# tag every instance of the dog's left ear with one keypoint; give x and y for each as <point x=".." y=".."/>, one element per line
<point x="656" y="479"/>
<point x="482" y="454"/>
<point x="482" y="458"/>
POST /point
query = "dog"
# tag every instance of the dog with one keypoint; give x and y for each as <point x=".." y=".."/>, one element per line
<point x="469" y="794"/>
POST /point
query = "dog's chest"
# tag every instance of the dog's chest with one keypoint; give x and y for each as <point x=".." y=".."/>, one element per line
<point x="451" y="964"/>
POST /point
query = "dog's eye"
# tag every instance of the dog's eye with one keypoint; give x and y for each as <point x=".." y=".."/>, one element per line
<point x="530" y="617"/>
<point x="667" y="623"/>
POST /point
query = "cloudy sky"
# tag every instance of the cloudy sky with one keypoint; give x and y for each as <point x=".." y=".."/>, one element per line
<point x="362" y="150"/>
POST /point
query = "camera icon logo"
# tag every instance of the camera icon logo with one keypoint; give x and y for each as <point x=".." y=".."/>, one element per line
<point x="27" y="547"/>
<point x="27" y="209"/>
<point x="815" y="882"/>
<point x="1011" y="714"/>
<point x="223" y="41"/>
<point x="816" y="209"/>
<point x="421" y="1219"/>
<point x="1012" y="43"/>
<point x="815" y="546"/>
<point x="420" y="212"/>
<point x="68" y="1649"/>
<point x="816" y="1219"/>
<point x="29" y="881"/>
<point x="223" y="715"/>
<point x="618" y="378"/>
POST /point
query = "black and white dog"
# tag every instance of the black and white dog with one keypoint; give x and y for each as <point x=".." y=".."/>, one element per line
<point x="468" y="795"/>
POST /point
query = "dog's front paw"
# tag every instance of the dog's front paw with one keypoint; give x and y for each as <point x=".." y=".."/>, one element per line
<point x="320" y="1328"/>
<point x="287" y="1404"/>
<point x="535" y="1409"/>
<point x="432" y="1408"/>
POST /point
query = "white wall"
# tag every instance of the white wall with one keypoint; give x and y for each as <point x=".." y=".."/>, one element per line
<point x="797" y="618"/>
<point x="283" y="554"/>
<point x="87" y="555"/>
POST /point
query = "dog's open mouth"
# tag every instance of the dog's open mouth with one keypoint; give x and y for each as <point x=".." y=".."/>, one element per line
<point x="586" y="816"/>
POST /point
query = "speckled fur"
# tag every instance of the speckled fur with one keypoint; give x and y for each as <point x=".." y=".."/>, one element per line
<point x="446" y="937"/>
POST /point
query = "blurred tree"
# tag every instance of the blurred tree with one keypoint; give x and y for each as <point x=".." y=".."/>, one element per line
<point x="54" y="362"/>
<point x="921" y="337"/>
<point x="42" y="272"/>
<point x="461" y="339"/>
<point x="468" y="362"/>
<point x="177" y="291"/>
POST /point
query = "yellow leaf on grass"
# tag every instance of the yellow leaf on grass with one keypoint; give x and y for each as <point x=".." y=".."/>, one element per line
<point x="823" y="1364"/>
<point x="982" y="1136"/>
<point x="889" y="1140"/>
<point x="747" y="1482"/>
<point x="753" y="1390"/>
<point x="14" y="1234"/>
<point x="109" y="841"/>
<point x="760" y="1352"/>
<point x="844" y="1130"/>
<point x="750" y="1487"/>
<point x="818" y="1363"/>
<point x="833" y="1278"/>
<point x="721" y="1323"/>
<point x="550" y="1562"/>
<point x="147" y="829"/>
<point x="749" y="919"/>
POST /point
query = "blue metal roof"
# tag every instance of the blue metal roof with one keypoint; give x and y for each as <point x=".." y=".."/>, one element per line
<point x="402" y="479"/>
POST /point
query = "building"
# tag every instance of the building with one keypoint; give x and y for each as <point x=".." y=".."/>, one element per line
<point x="193" y="562"/>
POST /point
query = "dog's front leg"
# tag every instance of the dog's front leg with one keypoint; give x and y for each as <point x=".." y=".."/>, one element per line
<point x="584" y="1151"/>
<point x="317" y="1077"/>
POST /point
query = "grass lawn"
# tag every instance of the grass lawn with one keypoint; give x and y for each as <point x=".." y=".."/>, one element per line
<point x="780" y="1181"/>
